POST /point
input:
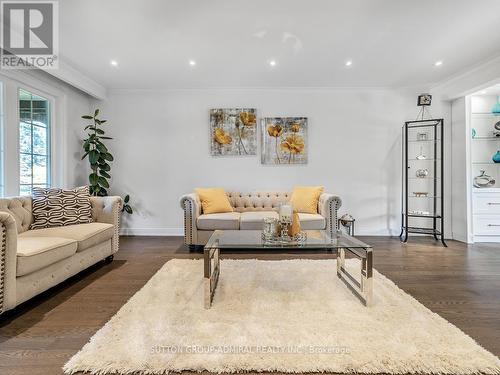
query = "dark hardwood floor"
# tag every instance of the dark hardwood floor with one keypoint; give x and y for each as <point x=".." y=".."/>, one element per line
<point x="461" y="283"/>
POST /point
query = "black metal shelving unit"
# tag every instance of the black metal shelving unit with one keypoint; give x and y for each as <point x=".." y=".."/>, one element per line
<point x="423" y="171"/>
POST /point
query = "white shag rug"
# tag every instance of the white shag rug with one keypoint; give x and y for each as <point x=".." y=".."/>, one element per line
<point x="289" y="316"/>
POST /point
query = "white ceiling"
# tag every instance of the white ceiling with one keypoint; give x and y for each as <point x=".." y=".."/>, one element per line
<point x="392" y="43"/>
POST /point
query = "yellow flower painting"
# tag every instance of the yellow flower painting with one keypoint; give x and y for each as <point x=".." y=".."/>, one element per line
<point x="284" y="140"/>
<point x="233" y="131"/>
<point x="248" y="118"/>
<point x="221" y="137"/>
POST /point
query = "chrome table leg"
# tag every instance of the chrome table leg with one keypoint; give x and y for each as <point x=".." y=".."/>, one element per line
<point x="211" y="273"/>
<point x="340" y="261"/>
<point x="367" y="277"/>
<point x="363" y="288"/>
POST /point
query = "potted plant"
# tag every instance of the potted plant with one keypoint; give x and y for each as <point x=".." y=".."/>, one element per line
<point x="99" y="159"/>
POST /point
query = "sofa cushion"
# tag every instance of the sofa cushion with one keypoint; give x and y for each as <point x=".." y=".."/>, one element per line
<point x="214" y="201"/>
<point x="87" y="235"/>
<point x="227" y="220"/>
<point x="311" y="221"/>
<point x="254" y="220"/>
<point x="54" y="207"/>
<point x="35" y="253"/>
<point x="305" y="199"/>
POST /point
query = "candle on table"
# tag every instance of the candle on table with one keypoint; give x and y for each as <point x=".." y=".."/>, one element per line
<point x="286" y="211"/>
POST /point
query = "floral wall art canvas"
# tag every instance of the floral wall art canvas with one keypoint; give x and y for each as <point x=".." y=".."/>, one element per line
<point x="233" y="131"/>
<point x="284" y="140"/>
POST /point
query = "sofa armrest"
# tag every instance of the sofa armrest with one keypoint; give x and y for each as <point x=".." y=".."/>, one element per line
<point x="328" y="207"/>
<point x="8" y="260"/>
<point x="191" y="205"/>
<point x="108" y="210"/>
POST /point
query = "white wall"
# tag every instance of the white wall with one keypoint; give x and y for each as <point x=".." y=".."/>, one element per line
<point x="460" y="162"/>
<point x="68" y="104"/>
<point x="161" y="150"/>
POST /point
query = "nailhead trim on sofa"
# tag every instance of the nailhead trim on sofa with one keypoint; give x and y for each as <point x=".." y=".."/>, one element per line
<point x="187" y="205"/>
<point x="3" y="251"/>
<point x="116" y="235"/>
<point x="188" y="223"/>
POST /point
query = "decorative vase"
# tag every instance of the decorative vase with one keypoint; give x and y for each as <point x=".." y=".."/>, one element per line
<point x="270" y="228"/>
<point x="496" y="157"/>
<point x="496" y="108"/>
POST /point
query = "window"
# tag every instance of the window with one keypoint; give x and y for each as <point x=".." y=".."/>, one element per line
<point x="34" y="142"/>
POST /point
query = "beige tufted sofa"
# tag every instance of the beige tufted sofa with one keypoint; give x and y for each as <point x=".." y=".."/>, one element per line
<point x="32" y="261"/>
<point x="249" y="211"/>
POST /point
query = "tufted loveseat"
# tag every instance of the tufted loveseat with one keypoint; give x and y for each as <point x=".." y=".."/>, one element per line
<point x="249" y="211"/>
<point x="32" y="261"/>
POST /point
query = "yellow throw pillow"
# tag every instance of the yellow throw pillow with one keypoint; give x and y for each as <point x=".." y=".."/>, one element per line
<point x="305" y="198"/>
<point x="214" y="201"/>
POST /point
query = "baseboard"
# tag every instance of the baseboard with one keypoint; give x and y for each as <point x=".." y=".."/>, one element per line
<point x="486" y="238"/>
<point x="460" y="237"/>
<point x="152" y="232"/>
<point x="180" y="232"/>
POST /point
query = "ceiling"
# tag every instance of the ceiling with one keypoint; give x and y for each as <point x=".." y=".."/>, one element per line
<point x="391" y="43"/>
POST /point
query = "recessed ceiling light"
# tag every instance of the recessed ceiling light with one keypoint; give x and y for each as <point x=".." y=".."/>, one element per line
<point x="483" y="92"/>
<point x="438" y="63"/>
<point x="192" y="62"/>
<point x="348" y="63"/>
<point x="272" y="63"/>
<point x="113" y="63"/>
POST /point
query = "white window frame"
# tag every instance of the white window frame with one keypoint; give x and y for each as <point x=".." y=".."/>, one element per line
<point x="2" y="140"/>
<point x="51" y="143"/>
<point x="13" y="81"/>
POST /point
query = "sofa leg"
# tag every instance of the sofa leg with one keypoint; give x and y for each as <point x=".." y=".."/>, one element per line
<point x="109" y="259"/>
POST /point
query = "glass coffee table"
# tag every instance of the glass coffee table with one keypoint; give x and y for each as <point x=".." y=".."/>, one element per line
<point x="360" y="284"/>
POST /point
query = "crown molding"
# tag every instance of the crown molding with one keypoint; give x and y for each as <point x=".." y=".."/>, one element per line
<point x="125" y="91"/>
<point x="77" y="79"/>
<point x="475" y="78"/>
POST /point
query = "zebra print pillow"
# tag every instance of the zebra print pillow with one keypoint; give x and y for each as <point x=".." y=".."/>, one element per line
<point x="53" y="207"/>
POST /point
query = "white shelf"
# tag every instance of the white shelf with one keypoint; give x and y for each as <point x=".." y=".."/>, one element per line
<point x="424" y="178"/>
<point x="486" y="138"/>
<point x="486" y="190"/>
<point x="427" y="141"/>
<point x="485" y="114"/>
<point x="424" y="197"/>
<point x="424" y="159"/>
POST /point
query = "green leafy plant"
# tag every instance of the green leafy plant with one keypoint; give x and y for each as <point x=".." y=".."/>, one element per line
<point x="99" y="158"/>
<point x="126" y="205"/>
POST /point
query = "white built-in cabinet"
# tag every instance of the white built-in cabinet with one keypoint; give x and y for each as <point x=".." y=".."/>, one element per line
<point x="482" y="145"/>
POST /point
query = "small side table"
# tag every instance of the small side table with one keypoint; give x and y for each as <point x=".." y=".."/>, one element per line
<point x="347" y="221"/>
